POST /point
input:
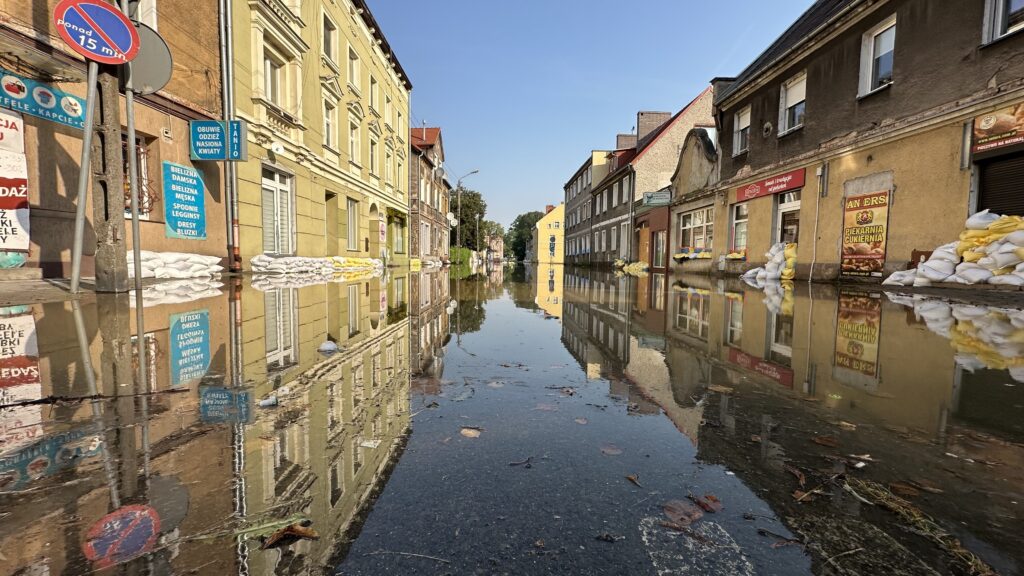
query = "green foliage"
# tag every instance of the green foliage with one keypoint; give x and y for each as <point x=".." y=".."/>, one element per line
<point x="460" y="256"/>
<point x="473" y="207"/>
<point x="518" y="235"/>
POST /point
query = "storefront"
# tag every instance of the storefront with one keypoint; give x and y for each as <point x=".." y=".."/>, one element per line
<point x="763" y="213"/>
<point x="998" y="152"/>
<point x="651" y="220"/>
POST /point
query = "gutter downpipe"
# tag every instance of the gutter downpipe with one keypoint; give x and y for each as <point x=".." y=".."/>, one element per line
<point x="227" y="59"/>
<point x="822" y="190"/>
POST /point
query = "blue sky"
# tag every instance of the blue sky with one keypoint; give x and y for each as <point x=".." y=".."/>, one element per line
<point x="524" y="90"/>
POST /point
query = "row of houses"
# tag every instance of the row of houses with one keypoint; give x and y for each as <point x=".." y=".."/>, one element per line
<point x="333" y="166"/>
<point x="866" y="134"/>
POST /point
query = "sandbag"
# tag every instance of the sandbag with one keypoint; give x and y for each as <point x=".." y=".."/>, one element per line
<point x="936" y="270"/>
<point x="900" y="278"/>
<point x="994" y="247"/>
<point x="975" y="276"/>
<point x="1016" y="238"/>
<point x="972" y="256"/>
<point x="980" y="220"/>
<point x="967" y="266"/>
<point x="921" y="281"/>
<point x="1004" y="259"/>
<point x="1007" y="280"/>
<point x="946" y="255"/>
<point x="1002" y="271"/>
<point x="790" y="251"/>
<point x="1006" y="225"/>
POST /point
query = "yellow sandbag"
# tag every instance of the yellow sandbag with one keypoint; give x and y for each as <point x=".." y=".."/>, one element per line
<point x="788" y="274"/>
<point x="967" y="235"/>
<point x="972" y="256"/>
<point x="790" y="251"/>
<point x="1005" y="225"/>
<point x="791" y="262"/>
<point x="1019" y="252"/>
<point x="964" y="246"/>
<point x="1002" y="271"/>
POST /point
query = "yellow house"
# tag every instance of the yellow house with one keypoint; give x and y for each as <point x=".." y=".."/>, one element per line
<point x="551" y="236"/>
<point x="549" y="288"/>
<point x="327" y="104"/>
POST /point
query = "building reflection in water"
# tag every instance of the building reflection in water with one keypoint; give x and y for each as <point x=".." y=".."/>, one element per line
<point x="250" y="423"/>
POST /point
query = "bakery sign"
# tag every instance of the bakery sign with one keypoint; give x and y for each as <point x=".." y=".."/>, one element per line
<point x="998" y="129"/>
<point x="774" y="185"/>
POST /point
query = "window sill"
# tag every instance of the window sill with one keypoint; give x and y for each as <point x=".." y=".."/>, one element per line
<point x="355" y="164"/>
<point x="330" y="63"/>
<point x="332" y="149"/>
<point x="741" y="153"/>
<point x="374" y="111"/>
<point x="1002" y="37"/>
<point x="789" y="131"/>
<point x="355" y="89"/>
<point x="873" y="92"/>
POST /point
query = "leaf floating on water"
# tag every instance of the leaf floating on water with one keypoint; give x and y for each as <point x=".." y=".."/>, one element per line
<point x="681" y="512"/>
<point x="720" y="389"/>
<point x="606" y="537"/>
<point x="801" y="496"/>
<point x="568" y="391"/>
<point x="495" y="384"/>
<point x="581" y="421"/>
<point x="635" y="479"/>
<point x="709" y="502"/>
<point x="903" y="489"/>
<point x="828" y="441"/>
<point x="611" y="450"/>
<point x="290" y="534"/>
<point x="471" y="431"/>
<point x="799" y="475"/>
<point x="546" y="408"/>
<point x="755" y="438"/>
<point x="927" y="486"/>
<point x="847" y="425"/>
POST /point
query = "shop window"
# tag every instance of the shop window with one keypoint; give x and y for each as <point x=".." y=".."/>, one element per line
<point x="696" y="228"/>
<point x="1003" y="17"/>
<point x="352" y="236"/>
<point x="788" y="225"/>
<point x="780" y="339"/>
<point x="659" y="249"/>
<point x="147" y="193"/>
<point x="741" y="132"/>
<point x="279" y="319"/>
<point x="278" y="213"/>
<point x="740" y="215"/>
<point x="876" y="57"/>
<point x="793" y="102"/>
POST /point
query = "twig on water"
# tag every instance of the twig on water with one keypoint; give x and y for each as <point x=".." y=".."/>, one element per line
<point x="435" y="558"/>
<point x="841" y="554"/>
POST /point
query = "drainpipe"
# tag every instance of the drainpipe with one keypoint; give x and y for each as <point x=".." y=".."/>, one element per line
<point x="632" y="203"/>
<point x="227" y="79"/>
<point x="822" y="190"/>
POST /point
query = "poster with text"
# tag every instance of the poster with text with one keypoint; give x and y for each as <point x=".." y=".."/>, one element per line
<point x="865" y="228"/>
<point x="184" y="202"/>
<point x="19" y="379"/>
<point x="14" y="224"/>
<point x="857" y="333"/>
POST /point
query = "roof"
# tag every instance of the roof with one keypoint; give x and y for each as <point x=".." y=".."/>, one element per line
<point x="818" y="15"/>
<point x="364" y="12"/>
<point x="424" y="137"/>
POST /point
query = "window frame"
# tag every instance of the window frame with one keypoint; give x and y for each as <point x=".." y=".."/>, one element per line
<point x="707" y="228"/>
<point x="273" y="76"/>
<point x="330" y="135"/>
<point x="737" y="131"/>
<point x="354" y="70"/>
<point x="351" y="224"/>
<point x="784" y="104"/>
<point x="282" y="184"/>
<point x="329" y="41"/>
<point x="734" y="221"/>
<point x="354" y="139"/>
<point x="867" y="57"/>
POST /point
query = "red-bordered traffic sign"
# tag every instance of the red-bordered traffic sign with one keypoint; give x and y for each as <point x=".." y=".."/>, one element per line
<point x="122" y="535"/>
<point x="97" y="30"/>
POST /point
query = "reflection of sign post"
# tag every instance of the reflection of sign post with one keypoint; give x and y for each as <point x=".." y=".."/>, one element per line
<point x="865" y="228"/>
<point x="214" y="140"/>
<point x="218" y="405"/>
<point x="122" y="535"/>
<point x="190" y="346"/>
<point x="97" y="30"/>
<point x="857" y="334"/>
<point x="184" y="202"/>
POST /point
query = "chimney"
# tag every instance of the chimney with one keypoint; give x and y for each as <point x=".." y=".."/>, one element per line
<point x="548" y="209"/>
<point x="623" y="141"/>
<point x="647" y="122"/>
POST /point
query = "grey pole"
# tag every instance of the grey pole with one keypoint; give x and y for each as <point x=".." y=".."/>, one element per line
<point x="83" y="176"/>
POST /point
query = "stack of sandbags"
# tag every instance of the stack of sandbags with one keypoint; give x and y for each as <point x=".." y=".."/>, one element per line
<point x="990" y="251"/>
<point x="982" y="336"/>
<point x="175" y="265"/>
<point x="179" y="291"/>
<point x="300" y="265"/>
<point x="268" y="282"/>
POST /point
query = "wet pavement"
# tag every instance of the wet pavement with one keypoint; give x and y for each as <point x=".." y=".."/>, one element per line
<point x="513" y="421"/>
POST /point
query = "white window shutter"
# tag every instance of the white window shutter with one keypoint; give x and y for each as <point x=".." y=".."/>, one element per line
<point x="269" y="222"/>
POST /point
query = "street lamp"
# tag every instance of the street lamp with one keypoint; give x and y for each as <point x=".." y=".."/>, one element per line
<point x="458" y="193"/>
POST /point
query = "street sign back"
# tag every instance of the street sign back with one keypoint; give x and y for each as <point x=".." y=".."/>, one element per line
<point x="97" y="30"/>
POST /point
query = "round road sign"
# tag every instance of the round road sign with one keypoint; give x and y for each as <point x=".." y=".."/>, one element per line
<point x="122" y="535"/>
<point x="97" y="30"/>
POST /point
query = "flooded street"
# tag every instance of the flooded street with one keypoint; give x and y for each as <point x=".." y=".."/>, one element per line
<point x="544" y="420"/>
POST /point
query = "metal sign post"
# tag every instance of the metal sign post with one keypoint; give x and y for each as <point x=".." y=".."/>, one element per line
<point x="83" y="176"/>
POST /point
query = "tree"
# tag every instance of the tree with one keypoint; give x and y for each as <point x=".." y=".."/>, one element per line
<point x="473" y="206"/>
<point x="519" y="233"/>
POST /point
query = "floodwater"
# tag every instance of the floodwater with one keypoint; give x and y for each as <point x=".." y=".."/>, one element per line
<point x="512" y="421"/>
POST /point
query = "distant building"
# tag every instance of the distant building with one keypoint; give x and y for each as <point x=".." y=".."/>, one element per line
<point x="495" y="247"/>
<point x="549" y="232"/>
<point x="429" y="196"/>
<point x="692" y="221"/>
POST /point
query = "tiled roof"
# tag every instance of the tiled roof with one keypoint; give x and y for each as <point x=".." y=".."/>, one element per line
<point x="424" y="137"/>
<point x="821" y="13"/>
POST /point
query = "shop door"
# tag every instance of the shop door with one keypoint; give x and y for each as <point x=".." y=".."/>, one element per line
<point x="787" y="225"/>
<point x="644" y="245"/>
<point x="1000" y="185"/>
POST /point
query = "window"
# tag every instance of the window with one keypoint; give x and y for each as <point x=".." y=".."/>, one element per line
<point x="146" y="194"/>
<point x="353" y="224"/>
<point x="741" y="132"/>
<point x="623" y="235"/>
<point x="605" y="196"/>
<point x="398" y="234"/>
<point x="615" y="240"/>
<point x="387" y="109"/>
<point x="272" y="72"/>
<point x="617" y="193"/>
<point x="1003" y="17"/>
<point x="279" y="318"/>
<point x="625" y="189"/>
<point x="374" y="89"/>
<point x="353" y="69"/>
<point x="143" y="11"/>
<point x="696" y="228"/>
<point x="353" y="310"/>
<point x="374" y="166"/>
<point x="659" y="249"/>
<point x="604" y="240"/>
<point x="353" y="140"/>
<point x="388" y="161"/>
<point x="876" y="56"/>
<point x="330" y="40"/>
<point x="278" y="213"/>
<point x="734" y="323"/>
<point x="693" y="312"/>
<point x="740" y="214"/>
<point x="793" y="100"/>
<point x="398" y="175"/>
<point x="330" y="125"/>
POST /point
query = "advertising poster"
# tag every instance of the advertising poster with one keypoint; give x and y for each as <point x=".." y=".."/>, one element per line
<point x="865" y="228"/>
<point x="14" y="222"/>
<point x="19" y="379"/>
<point x="999" y="129"/>
<point x="184" y="202"/>
<point x="190" y="346"/>
<point x="12" y="132"/>
<point x="37" y="99"/>
<point x="857" y="333"/>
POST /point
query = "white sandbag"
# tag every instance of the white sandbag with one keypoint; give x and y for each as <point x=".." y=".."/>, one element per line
<point x="204" y="260"/>
<point x="1006" y="280"/>
<point x="967" y="266"/>
<point x="762" y="275"/>
<point x="1017" y="373"/>
<point x="922" y="281"/>
<point x="944" y="256"/>
<point x="1016" y="238"/>
<point x="980" y="220"/>
<point x="900" y="278"/>
<point x="1004" y="259"/>
<point x="995" y="247"/>
<point x="975" y="276"/>
<point x="928" y="272"/>
<point x="933" y="310"/>
<point x="944" y="267"/>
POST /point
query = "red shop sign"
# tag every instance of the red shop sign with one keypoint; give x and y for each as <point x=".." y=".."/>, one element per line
<point x="774" y="185"/>
<point x="780" y="374"/>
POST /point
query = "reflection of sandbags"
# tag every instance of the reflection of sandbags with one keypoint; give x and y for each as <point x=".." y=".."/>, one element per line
<point x="981" y="220"/>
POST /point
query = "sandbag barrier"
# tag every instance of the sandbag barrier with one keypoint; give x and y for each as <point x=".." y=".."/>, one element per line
<point x="303" y="266"/>
<point x="781" y="265"/>
<point x="983" y="337"/>
<point x="269" y="282"/>
<point x="990" y="251"/>
<point x="178" y="265"/>
<point x="179" y="291"/>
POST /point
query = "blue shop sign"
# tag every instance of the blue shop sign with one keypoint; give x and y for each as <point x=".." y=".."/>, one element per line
<point x="48" y="456"/>
<point x="37" y="99"/>
<point x="215" y="140"/>
<point x="184" y="202"/>
<point x="219" y="405"/>
<point x="190" y="346"/>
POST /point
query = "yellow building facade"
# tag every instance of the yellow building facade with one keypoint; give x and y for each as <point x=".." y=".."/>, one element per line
<point x="551" y="237"/>
<point x="327" y="105"/>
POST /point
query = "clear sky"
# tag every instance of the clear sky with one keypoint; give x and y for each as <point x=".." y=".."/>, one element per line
<point x="524" y="90"/>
